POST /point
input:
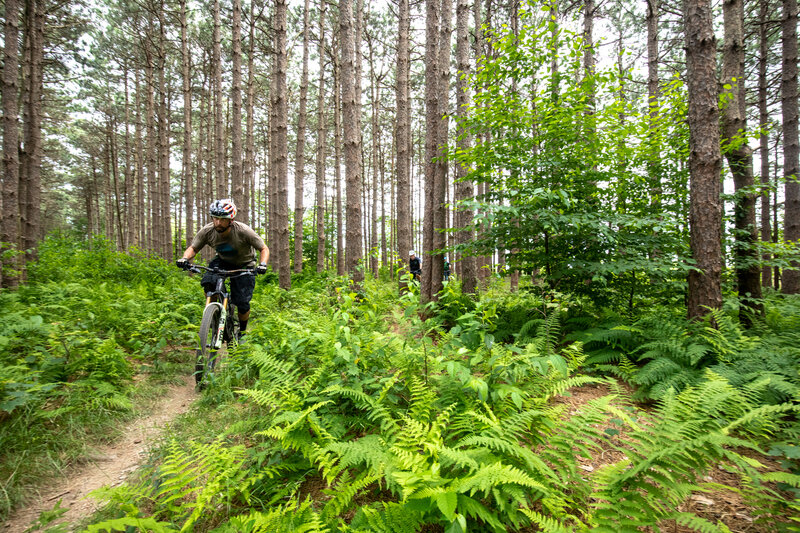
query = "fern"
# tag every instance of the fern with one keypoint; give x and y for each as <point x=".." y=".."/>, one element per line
<point x="344" y="493"/>
<point x="547" y="524"/>
<point x="125" y="523"/>
<point x="292" y="517"/>
<point x="699" y="524"/>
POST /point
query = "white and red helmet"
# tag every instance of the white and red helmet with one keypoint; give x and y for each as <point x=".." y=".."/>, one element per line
<point x="223" y="209"/>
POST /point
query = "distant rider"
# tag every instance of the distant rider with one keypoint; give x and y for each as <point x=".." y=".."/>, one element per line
<point x="414" y="265"/>
<point x="235" y="244"/>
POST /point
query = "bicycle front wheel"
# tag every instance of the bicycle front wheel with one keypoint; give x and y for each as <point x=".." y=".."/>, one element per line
<point x="206" y="355"/>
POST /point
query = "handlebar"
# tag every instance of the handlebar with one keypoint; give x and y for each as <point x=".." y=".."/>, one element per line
<point x="198" y="269"/>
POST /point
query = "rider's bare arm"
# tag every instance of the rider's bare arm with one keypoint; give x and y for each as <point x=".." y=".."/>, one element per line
<point x="189" y="253"/>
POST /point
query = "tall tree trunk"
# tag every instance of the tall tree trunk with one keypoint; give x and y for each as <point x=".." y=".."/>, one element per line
<point x="464" y="190"/>
<point x="321" y="138"/>
<point x="352" y="141"/>
<point x="248" y="166"/>
<point x="791" y="143"/>
<point x="141" y="205"/>
<point x="108" y="213"/>
<point x="152" y="154"/>
<point x="763" y="121"/>
<point x="130" y="199"/>
<point x="337" y="163"/>
<point x="588" y="57"/>
<point x="31" y="177"/>
<point x="164" y="220"/>
<point x="220" y="177"/>
<point x="203" y="149"/>
<point x="442" y="165"/>
<point x="282" y="147"/>
<point x="432" y="119"/>
<point x="437" y="75"/>
<point x="373" y="237"/>
<point x="299" y="154"/>
<point x="384" y="257"/>
<point x="273" y="154"/>
<point x="740" y="160"/>
<point x="187" y="122"/>
<point x="9" y="216"/>
<point x="776" y="274"/>
<point x="403" y="135"/>
<point x="237" y="177"/>
<point x="112" y="145"/>
<point x="653" y="101"/>
<point x="705" y="161"/>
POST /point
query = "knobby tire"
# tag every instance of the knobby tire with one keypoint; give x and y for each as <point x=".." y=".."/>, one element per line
<point x="207" y="355"/>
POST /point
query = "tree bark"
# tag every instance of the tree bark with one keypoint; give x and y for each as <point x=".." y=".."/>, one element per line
<point x="432" y="119"/>
<point x="442" y="165"/>
<point x="282" y="147"/>
<point x="141" y="206"/>
<point x="403" y="135"/>
<point x="130" y="200"/>
<point x="220" y="177"/>
<point x="10" y="201"/>
<point x="464" y="190"/>
<point x="763" y="121"/>
<point x="740" y="160"/>
<point x="705" y="161"/>
<point x="321" y="138"/>
<point x="337" y="163"/>
<point x="791" y="143"/>
<point x="187" y="123"/>
<point x="203" y="149"/>
<point x="31" y="177"/>
<point x="237" y="176"/>
<point x="299" y="154"/>
<point x="152" y="154"/>
<point x="164" y="213"/>
<point x="352" y="142"/>
<point x="653" y="100"/>
<point x="248" y="166"/>
<point x="375" y="94"/>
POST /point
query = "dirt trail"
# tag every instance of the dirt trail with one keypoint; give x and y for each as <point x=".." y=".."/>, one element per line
<point x="110" y="465"/>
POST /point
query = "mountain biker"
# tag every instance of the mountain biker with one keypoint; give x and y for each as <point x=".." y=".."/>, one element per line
<point x="414" y="265"/>
<point x="235" y="244"/>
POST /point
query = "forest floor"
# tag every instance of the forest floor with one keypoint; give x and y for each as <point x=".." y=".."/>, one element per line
<point x="110" y="464"/>
<point x="718" y="505"/>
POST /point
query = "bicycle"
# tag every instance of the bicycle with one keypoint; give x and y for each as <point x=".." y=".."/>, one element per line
<point x="219" y="323"/>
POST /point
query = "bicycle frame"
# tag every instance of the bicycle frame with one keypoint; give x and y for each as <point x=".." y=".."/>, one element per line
<point x="223" y="295"/>
<point x="223" y="309"/>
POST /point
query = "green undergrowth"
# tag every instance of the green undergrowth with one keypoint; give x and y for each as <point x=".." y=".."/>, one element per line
<point x="345" y="411"/>
<point x="91" y="340"/>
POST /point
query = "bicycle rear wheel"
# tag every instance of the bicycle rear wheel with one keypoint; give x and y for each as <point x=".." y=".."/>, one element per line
<point x="206" y="354"/>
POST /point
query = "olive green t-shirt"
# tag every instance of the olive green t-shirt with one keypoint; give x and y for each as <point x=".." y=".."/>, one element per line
<point x="237" y="247"/>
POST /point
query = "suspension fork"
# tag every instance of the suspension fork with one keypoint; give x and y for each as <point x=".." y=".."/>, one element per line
<point x="223" y="317"/>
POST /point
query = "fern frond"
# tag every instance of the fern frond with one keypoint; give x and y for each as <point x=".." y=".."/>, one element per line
<point x="126" y="522"/>
<point x="547" y="524"/>
<point x="344" y="493"/>
<point x="698" y="524"/>
<point x="422" y="400"/>
<point x="493" y="475"/>
<point x="376" y="412"/>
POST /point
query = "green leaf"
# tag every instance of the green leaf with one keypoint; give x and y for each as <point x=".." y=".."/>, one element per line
<point x="447" y="504"/>
<point x="459" y="525"/>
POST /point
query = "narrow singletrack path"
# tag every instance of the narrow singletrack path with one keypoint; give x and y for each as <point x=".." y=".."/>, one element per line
<point x="110" y="465"/>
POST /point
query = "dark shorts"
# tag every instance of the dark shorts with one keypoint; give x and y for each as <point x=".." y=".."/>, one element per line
<point x="241" y="288"/>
